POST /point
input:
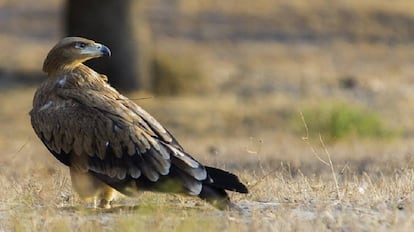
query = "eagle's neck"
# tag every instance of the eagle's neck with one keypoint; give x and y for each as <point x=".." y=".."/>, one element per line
<point x="55" y="68"/>
<point x="58" y="62"/>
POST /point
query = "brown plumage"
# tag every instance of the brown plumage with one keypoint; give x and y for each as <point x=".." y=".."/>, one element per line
<point x="108" y="141"/>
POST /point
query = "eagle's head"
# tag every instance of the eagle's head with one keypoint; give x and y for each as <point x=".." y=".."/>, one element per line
<point x="71" y="52"/>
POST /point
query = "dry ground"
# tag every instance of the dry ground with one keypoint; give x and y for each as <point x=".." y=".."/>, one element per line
<point x="244" y="124"/>
<point x="291" y="189"/>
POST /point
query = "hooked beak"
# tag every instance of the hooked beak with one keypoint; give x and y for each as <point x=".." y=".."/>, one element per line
<point x="104" y="50"/>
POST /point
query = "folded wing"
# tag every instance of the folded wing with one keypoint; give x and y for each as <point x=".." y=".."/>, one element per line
<point x="119" y="143"/>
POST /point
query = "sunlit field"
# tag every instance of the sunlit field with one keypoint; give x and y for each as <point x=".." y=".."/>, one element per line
<point x="314" y="113"/>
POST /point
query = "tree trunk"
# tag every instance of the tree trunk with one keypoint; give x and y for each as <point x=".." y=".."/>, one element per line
<point x="108" y="22"/>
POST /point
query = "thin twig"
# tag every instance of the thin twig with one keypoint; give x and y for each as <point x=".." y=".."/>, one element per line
<point x="331" y="166"/>
<point x="306" y="140"/>
<point x="251" y="186"/>
<point x="329" y="162"/>
<point x="14" y="155"/>
<point x="142" y="98"/>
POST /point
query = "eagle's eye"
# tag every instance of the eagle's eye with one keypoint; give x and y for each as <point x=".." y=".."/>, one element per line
<point x="80" y="45"/>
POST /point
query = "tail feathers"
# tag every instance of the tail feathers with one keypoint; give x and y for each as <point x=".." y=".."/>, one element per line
<point x="225" y="180"/>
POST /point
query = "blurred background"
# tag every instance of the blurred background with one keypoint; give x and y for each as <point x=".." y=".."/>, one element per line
<point x="266" y="89"/>
<point x="231" y="79"/>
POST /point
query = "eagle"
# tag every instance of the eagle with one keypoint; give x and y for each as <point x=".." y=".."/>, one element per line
<point x="109" y="143"/>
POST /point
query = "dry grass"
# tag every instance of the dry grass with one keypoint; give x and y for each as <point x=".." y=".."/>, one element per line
<point x="291" y="189"/>
<point x="243" y="125"/>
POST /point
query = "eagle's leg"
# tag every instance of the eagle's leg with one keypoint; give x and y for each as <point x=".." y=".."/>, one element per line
<point x="91" y="189"/>
<point x="106" y="196"/>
